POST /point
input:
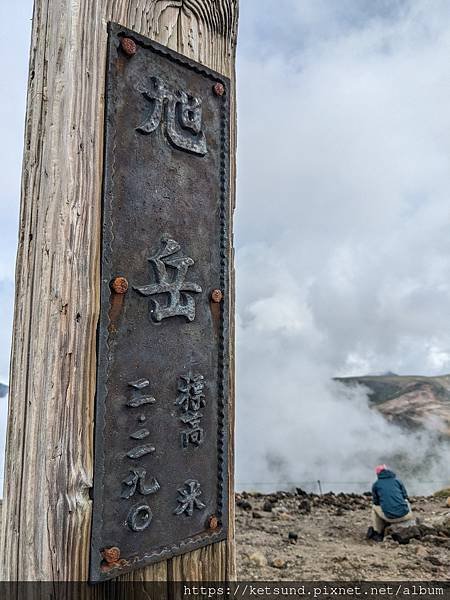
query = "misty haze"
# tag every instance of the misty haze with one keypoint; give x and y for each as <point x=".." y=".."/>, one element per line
<point x="343" y="252"/>
<point x="342" y="245"/>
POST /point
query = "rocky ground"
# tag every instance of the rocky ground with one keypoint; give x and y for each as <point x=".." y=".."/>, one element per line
<point x="299" y="536"/>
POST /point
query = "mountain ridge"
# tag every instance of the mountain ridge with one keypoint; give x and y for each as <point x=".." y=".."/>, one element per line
<point x="413" y="401"/>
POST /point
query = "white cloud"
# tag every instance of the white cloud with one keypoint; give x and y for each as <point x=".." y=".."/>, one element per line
<point x="343" y="251"/>
<point x="342" y="225"/>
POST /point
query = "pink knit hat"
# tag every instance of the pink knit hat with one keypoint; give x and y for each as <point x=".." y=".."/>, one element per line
<point x="380" y="468"/>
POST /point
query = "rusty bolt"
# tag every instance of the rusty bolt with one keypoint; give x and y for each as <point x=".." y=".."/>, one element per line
<point x="119" y="285"/>
<point x="111" y="555"/>
<point x="128" y="46"/>
<point x="213" y="522"/>
<point x="216" y="296"/>
<point x="219" y="89"/>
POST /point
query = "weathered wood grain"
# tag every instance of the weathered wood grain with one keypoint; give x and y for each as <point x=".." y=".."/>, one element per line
<point x="46" y="512"/>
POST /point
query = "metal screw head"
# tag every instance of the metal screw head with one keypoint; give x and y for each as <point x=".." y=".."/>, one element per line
<point x="128" y="46"/>
<point x="111" y="555"/>
<point x="216" y="296"/>
<point x="219" y="89"/>
<point x="119" y="285"/>
<point x="213" y="522"/>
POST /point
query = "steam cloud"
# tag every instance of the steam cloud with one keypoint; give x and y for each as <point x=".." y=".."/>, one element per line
<point x="343" y="246"/>
<point x="342" y="228"/>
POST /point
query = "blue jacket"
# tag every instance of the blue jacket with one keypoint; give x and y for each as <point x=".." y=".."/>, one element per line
<point x="390" y="493"/>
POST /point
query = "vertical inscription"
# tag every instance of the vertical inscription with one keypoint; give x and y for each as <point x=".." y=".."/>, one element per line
<point x="190" y="400"/>
<point x="189" y="498"/>
<point x="170" y="272"/>
<point x="161" y="446"/>
<point x="140" y="515"/>
<point x="178" y="112"/>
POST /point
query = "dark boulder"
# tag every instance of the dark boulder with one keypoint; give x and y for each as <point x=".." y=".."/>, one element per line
<point x="305" y="505"/>
<point x="403" y="533"/>
<point x="244" y="504"/>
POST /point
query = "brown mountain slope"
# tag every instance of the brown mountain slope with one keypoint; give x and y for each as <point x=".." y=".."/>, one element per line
<point x="411" y="401"/>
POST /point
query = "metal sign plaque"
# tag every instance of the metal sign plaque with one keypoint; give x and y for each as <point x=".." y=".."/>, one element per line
<point x="160" y="477"/>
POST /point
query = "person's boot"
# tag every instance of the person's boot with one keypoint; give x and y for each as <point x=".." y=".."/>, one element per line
<point x="377" y="537"/>
<point x="370" y="533"/>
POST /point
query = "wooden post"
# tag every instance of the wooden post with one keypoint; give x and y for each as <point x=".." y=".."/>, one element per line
<point x="46" y="514"/>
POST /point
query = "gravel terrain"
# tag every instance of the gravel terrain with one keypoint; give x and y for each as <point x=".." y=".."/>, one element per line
<point x="299" y="536"/>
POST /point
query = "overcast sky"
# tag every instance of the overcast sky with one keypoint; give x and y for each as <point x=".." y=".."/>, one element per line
<point x="343" y="261"/>
<point x="343" y="221"/>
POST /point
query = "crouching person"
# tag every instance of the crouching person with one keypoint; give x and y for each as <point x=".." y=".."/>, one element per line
<point x="390" y="503"/>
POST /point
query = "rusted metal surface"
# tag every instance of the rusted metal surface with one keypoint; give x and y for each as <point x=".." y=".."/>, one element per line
<point x="128" y="46"/>
<point x="111" y="555"/>
<point x="219" y="89"/>
<point x="119" y="285"/>
<point x="216" y="296"/>
<point x="160" y="478"/>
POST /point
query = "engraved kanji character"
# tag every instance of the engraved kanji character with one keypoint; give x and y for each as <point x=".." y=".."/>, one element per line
<point x="188" y="498"/>
<point x="140" y="400"/>
<point x="191" y="395"/>
<point x="179" y="302"/>
<point x="136" y="482"/>
<point x="195" y="434"/>
<point x="183" y="116"/>
<point x="140" y="451"/>
<point x="139" y="517"/>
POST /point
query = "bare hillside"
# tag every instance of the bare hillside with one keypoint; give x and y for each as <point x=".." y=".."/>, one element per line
<point x="411" y="401"/>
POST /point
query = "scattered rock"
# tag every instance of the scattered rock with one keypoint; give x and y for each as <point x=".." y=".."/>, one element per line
<point x="421" y="552"/>
<point x="403" y="533"/>
<point x="285" y="516"/>
<point x="273" y="533"/>
<point x="440" y="524"/>
<point x="437" y="540"/>
<point x="282" y="495"/>
<point x="244" y="504"/>
<point x="258" y="559"/>
<point x="444" y="493"/>
<point x="273" y="529"/>
<point x="426" y="530"/>
<point x="278" y="563"/>
<point x="305" y="506"/>
<point x="446" y="525"/>
<point x="340" y="559"/>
